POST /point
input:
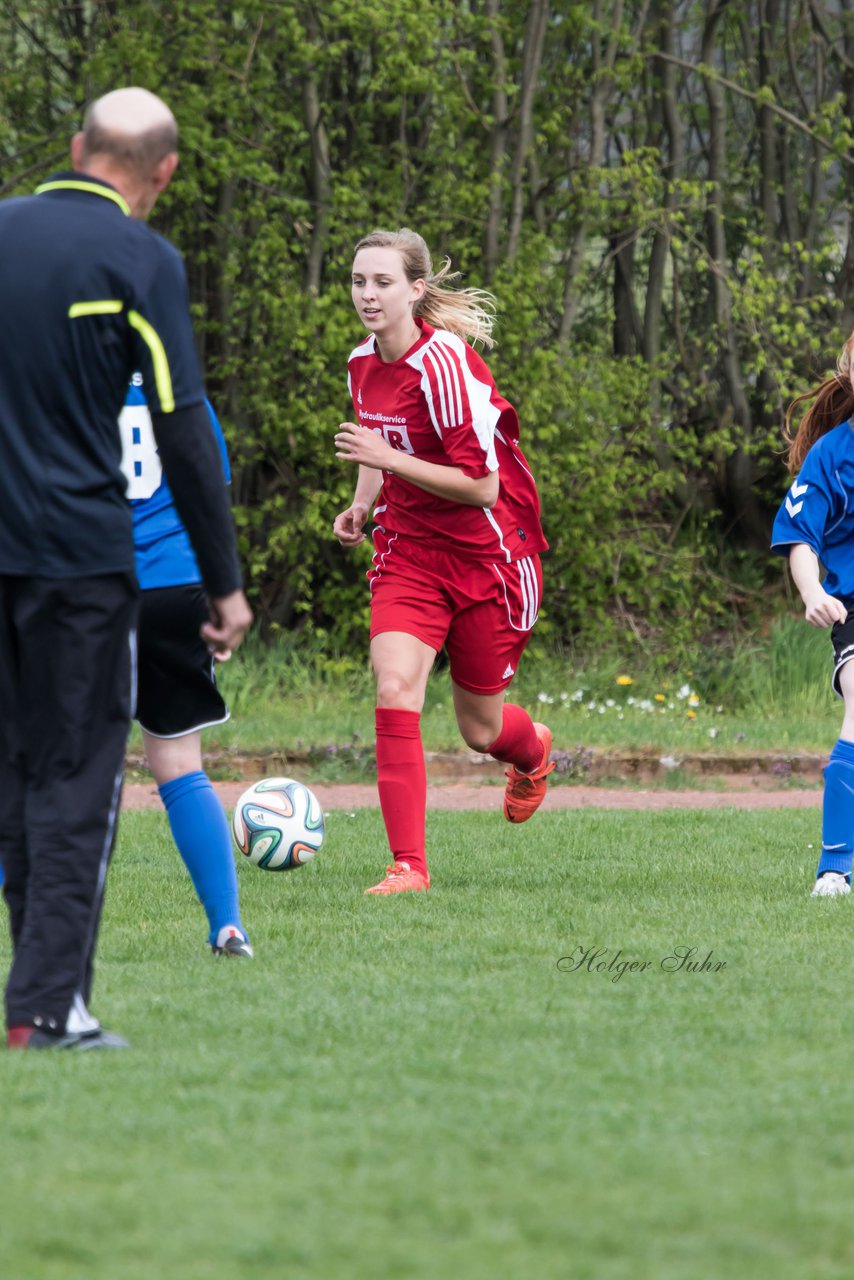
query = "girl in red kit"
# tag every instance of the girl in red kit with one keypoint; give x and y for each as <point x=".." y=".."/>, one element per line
<point x="457" y="540"/>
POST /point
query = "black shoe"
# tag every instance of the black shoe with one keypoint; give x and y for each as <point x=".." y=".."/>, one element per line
<point x="76" y="1040"/>
<point x="231" y="942"/>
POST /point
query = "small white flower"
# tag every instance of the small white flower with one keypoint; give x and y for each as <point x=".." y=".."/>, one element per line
<point x="609" y="702"/>
<point x="684" y="692"/>
<point x="545" y="697"/>
<point x="713" y="732"/>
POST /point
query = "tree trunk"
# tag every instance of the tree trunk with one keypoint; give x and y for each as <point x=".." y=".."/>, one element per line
<point x="602" y="68"/>
<point x="767" y="122"/>
<point x="320" y="170"/>
<point x="739" y="495"/>
<point x="665" y="78"/>
<point x="626" y="319"/>
<point x="532" y="57"/>
<point x="497" y="143"/>
<point x="845" y="280"/>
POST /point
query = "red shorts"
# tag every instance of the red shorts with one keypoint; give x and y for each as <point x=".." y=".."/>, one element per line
<point x="482" y="613"/>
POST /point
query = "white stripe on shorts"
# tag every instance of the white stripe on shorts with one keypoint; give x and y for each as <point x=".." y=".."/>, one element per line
<point x="529" y="590"/>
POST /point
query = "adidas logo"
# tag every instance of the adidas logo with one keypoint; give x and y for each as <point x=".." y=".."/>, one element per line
<point x="508" y="672"/>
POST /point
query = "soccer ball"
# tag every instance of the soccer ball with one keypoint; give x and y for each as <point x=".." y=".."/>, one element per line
<point x="278" y="824"/>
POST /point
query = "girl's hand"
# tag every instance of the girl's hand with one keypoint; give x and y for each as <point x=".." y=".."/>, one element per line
<point x="363" y="446"/>
<point x="348" y="526"/>
<point x="823" y="610"/>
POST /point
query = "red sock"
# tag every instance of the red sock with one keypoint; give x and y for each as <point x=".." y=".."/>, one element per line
<point x="18" y="1037"/>
<point x="402" y="784"/>
<point x="517" y="743"/>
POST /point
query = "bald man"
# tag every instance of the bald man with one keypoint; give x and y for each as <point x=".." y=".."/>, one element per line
<point x="89" y="295"/>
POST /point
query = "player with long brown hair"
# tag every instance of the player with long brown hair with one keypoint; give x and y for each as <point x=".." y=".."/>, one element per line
<point x="815" y="528"/>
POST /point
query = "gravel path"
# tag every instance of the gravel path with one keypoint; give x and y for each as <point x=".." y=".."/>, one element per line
<point x="460" y="796"/>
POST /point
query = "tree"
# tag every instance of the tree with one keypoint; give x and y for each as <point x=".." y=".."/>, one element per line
<point x="659" y="192"/>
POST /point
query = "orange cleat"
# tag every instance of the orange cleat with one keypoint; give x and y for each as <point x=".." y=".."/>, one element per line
<point x="401" y="879"/>
<point x="525" y="792"/>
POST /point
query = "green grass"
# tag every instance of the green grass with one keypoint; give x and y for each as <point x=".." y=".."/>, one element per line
<point x="765" y="695"/>
<point x="412" y="1088"/>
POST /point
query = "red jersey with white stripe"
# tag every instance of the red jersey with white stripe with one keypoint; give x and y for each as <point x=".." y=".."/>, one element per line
<point x="439" y="402"/>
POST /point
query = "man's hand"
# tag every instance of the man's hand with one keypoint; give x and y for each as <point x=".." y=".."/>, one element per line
<point x="823" y="610"/>
<point x="230" y="619"/>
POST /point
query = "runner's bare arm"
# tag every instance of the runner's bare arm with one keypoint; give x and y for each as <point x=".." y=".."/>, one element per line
<point x="820" y="609"/>
<point x="348" y="526"/>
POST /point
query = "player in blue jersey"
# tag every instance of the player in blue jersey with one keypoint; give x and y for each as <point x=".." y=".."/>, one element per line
<point x="177" y="695"/>
<point x="815" y="527"/>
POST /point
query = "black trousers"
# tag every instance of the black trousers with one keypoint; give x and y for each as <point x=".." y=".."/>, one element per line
<point x="66" y="682"/>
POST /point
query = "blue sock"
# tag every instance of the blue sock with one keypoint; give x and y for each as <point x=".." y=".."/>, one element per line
<point x="200" y="829"/>
<point x="837" y="824"/>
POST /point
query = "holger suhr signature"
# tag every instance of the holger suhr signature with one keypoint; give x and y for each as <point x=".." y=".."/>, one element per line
<point x="682" y="959"/>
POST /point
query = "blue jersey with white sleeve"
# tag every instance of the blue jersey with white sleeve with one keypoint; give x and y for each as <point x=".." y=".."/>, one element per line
<point x="819" y="509"/>
<point x="162" y="550"/>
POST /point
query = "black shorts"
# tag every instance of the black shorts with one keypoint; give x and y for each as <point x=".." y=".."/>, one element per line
<point x="176" y="688"/>
<point x="842" y="639"/>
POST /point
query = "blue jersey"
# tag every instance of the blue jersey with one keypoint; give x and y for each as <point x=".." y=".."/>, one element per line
<point x="819" y="509"/>
<point x="163" y="552"/>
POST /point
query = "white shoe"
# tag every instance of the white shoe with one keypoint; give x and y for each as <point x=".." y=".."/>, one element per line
<point x="231" y="941"/>
<point x="80" y="1021"/>
<point x="831" y="885"/>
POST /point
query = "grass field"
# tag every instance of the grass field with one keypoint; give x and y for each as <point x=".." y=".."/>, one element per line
<point x="416" y="1088"/>
<point x="772" y="696"/>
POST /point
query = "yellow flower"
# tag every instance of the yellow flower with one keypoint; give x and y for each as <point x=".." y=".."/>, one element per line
<point x="624" y="680"/>
<point x="692" y="715"/>
<point x="659" y="697"/>
<point x="693" y="701"/>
